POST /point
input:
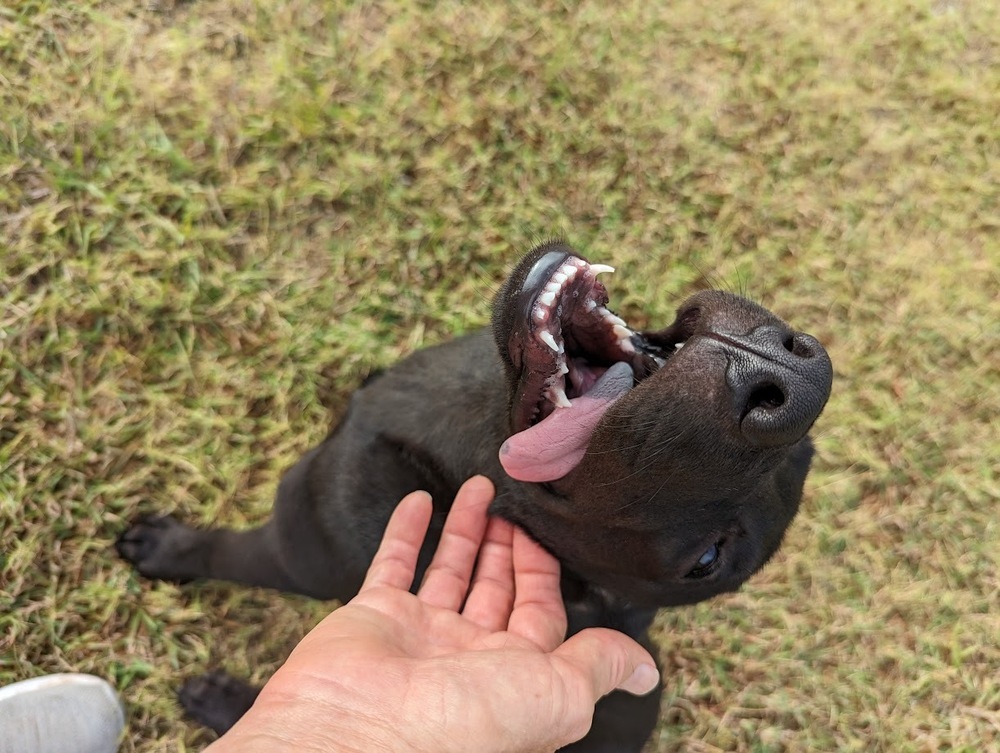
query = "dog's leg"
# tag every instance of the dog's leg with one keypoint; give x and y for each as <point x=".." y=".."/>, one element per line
<point x="164" y="548"/>
<point x="623" y="723"/>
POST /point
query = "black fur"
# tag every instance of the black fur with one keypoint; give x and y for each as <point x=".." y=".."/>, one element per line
<point x="693" y="456"/>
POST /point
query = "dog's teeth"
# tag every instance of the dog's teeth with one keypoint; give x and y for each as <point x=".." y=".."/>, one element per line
<point x="563" y="367"/>
<point x="540" y="314"/>
<point x="558" y="397"/>
<point x="559" y="278"/>
<point x="624" y="335"/>
<point x="596" y="269"/>
<point x="547" y="298"/>
<point x="614" y="320"/>
<point x="678" y="346"/>
<point x="547" y="338"/>
<point x="591" y="304"/>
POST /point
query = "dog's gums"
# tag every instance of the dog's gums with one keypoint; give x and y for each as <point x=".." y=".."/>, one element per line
<point x="576" y="359"/>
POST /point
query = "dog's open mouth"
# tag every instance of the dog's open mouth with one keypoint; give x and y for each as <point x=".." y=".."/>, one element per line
<point x="576" y="358"/>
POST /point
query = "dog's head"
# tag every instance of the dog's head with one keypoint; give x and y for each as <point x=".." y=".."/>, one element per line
<point x="672" y="460"/>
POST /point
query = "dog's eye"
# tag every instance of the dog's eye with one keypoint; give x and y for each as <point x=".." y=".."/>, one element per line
<point x="707" y="562"/>
<point x="710" y="556"/>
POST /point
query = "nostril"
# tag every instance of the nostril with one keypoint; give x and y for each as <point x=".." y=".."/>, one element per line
<point x="767" y="396"/>
<point x="804" y="346"/>
<point x="780" y="381"/>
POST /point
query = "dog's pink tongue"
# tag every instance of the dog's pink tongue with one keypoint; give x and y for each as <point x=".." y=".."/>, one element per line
<point x="552" y="448"/>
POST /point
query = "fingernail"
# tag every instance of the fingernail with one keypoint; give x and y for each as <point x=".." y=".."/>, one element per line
<point x="643" y="679"/>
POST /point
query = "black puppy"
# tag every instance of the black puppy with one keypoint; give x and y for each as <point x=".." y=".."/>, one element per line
<point x="661" y="468"/>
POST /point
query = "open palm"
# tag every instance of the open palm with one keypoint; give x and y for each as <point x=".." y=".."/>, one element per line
<point x="474" y="660"/>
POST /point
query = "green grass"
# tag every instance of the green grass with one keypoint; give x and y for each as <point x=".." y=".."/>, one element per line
<point x="216" y="217"/>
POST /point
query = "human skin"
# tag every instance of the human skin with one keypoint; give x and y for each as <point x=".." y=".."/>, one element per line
<point x="476" y="659"/>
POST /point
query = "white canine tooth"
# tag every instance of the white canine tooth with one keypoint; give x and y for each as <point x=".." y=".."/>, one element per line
<point x="678" y="346"/>
<point x="622" y="332"/>
<point x="553" y="286"/>
<point x="547" y="298"/>
<point x="558" y="277"/>
<point x="563" y="367"/>
<point x="558" y="397"/>
<point x="547" y="338"/>
<point x="596" y="269"/>
<point x="614" y="320"/>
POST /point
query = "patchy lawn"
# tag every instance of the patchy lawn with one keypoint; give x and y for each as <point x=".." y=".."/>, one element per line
<point x="216" y="217"/>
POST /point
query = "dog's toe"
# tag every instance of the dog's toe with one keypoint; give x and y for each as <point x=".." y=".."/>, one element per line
<point x="139" y="542"/>
<point x="160" y="547"/>
<point x="141" y="538"/>
<point x="216" y="699"/>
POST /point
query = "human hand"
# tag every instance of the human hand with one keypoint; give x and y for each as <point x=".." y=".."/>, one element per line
<point x="454" y="667"/>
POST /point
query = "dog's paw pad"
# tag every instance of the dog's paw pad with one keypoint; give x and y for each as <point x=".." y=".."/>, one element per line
<point x="216" y="699"/>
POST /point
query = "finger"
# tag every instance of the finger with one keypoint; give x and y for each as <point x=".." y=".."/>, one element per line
<point x="396" y="559"/>
<point x="609" y="660"/>
<point x="592" y="663"/>
<point x="446" y="582"/>
<point x="492" y="595"/>
<point x="539" y="614"/>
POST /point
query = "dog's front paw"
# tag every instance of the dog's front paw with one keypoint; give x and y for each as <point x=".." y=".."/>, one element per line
<point x="161" y="547"/>
<point x="217" y="699"/>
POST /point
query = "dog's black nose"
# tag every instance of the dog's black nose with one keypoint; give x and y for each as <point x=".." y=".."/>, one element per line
<point x="780" y="381"/>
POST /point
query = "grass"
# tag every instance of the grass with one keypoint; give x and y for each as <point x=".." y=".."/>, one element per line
<point x="216" y="217"/>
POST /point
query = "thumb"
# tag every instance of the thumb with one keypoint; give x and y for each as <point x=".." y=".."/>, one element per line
<point x="610" y="660"/>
